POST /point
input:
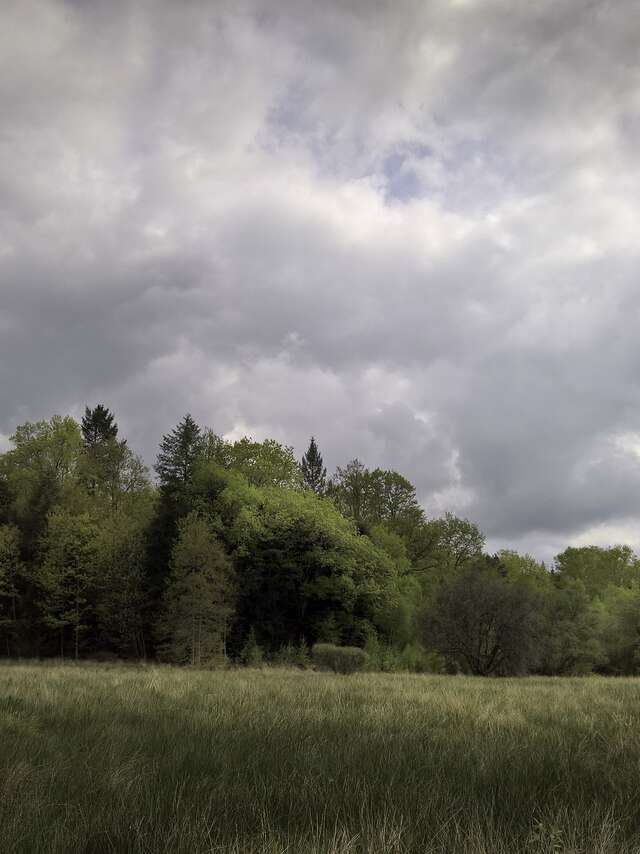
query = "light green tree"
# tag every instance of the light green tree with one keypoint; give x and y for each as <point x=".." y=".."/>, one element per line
<point x="41" y="471"/>
<point x="598" y="568"/>
<point x="68" y="575"/>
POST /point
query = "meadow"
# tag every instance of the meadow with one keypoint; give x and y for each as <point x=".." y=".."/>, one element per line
<point x="107" y="758"/>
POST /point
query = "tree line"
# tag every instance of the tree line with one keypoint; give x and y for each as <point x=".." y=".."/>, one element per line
<point x="239" y="552"/>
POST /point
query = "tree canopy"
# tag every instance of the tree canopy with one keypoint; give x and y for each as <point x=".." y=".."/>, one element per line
<point x="238" y="550"/>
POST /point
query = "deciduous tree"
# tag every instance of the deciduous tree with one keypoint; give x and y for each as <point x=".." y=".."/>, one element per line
<point x="484" y="623"/>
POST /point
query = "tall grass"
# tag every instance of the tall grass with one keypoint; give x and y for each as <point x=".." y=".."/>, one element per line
<point x="124" y="759"/>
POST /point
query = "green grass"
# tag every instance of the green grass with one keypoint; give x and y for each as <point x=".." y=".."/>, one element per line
<point x="124" y="759"/>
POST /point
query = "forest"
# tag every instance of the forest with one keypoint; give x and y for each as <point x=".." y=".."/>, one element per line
<point x="238" y="553"/>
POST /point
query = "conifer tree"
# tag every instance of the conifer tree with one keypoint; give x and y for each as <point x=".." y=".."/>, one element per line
<point x="196" y="604"/>
<point x="105" y="458"/>
<point x="98" y="425"/>
<point x="313" y="470"/>
<point x="178" y="453"/>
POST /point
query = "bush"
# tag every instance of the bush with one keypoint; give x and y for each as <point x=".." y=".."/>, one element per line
<point x="293" y="656"/>
<point x="340" y="659"/>
<point x="415" y="659"/>
<point x="412" y="658"/>
<point x="251" y="655"/>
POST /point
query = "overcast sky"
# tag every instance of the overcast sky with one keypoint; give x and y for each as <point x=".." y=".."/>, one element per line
<point x="409" y="228"/>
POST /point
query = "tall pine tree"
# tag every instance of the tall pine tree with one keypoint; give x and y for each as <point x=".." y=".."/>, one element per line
<point x="98" y="425"/>
<point x="105" y="457"/>
<point x="178" y="453"/>
<point x="197" y="602"/>
<point x="313" y="470"/>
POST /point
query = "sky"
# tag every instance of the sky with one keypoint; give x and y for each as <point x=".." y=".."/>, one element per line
<point x="407" y="227"/>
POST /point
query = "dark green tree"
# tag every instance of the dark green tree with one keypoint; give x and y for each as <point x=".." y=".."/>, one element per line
<point x="120" y="591"/>
<point x="179" y="452"/>
<point x="571" y="642"/>
<point x="98" y="425"/>
<point x="619" y="611"/>
<point x="371" y="497"/>
<point x="67" y="576"/>
<point x="197" y="603"/>
<point x="313" y="470"/>
<point x="484" y="623"/>
<point x="11" y="572"/>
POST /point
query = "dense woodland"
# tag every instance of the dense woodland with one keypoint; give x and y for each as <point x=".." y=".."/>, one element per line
<point x="238" y="552"/>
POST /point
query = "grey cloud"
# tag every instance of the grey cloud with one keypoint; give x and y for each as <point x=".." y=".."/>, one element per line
<point x="408" y="228"/>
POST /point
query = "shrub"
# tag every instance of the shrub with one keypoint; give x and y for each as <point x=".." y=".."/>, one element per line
<point x="415" y="659"/>
<point x="303" y="655"/>
<point x="251" y="655"/>
<point x="293" y="656"/>
<point x="412" y="658"/>
<point x="340" y="659"/>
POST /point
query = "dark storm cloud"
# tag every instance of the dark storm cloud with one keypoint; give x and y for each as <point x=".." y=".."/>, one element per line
<point x="408" y="228"/>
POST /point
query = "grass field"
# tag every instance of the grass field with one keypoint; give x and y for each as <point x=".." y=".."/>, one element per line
<point x="124" y="759"/>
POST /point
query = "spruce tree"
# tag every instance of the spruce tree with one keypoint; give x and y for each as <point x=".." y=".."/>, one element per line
<point x="98" y="425"/>
<point x="178" y="453"/>
<point x="313" y="470"/>
<point x="197" y="603"/>
<point x="105" y="458"/>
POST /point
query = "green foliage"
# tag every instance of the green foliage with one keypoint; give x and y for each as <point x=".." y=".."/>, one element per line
<point x="414" y="658"/>
<point x="313" y="471"/>
<point x="11" y="573"/>
<point x="454" y="543"/>
<point x="571" y="641"/>
<point x="68" y="575"/>
<point x="301" y="562"/>
<point x="98" y="426"/>
<point x="599" y="568"/>
<point x="339" y="659"/>
<point x="484" y="623"/>
<point x="411" y="658"/>
<point x="251" y="654"/>
<point x="178" y="462"/>
<point x="197" y="604"/>
<point x="178" y="455"/>
<point x="328" y="630"/>
<point x="265" y="463"/>
<point x="293" y="655"/>
<point x="371" y="497"/>
<point x="525" y="569"/>
<point x="97" y="560"/>
<point x="619" y="611"/>
<point x="120" y="584"/>
<point x="40" y="472"/>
